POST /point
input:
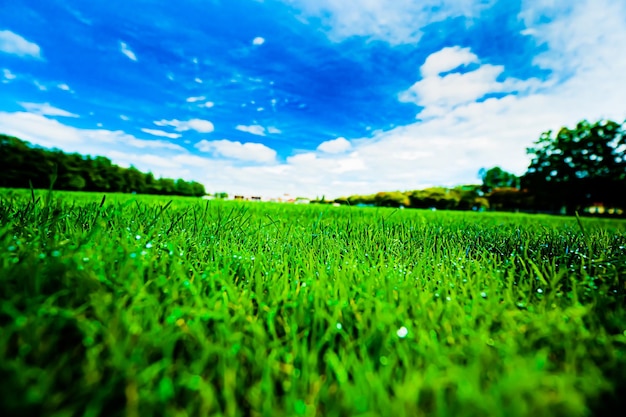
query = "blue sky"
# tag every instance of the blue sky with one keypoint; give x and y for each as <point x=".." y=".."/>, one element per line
<point x="309" y="97"/>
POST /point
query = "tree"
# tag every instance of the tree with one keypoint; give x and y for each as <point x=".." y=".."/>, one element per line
<point x="391" y="199"/>
<point x="510" y="199"/>
<point x="197" y="189"/>
<point x="579" y="167"/>
<point x="23" y="164"/>
<point x="496" y="177"/>
<point x="435" y="197"/>
<point x="182" y="187"/>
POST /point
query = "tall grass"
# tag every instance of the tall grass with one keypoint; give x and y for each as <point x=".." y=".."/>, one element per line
<point x="139" y="306"/>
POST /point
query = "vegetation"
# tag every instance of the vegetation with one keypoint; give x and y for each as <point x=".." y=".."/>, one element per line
<point x="468" y="197"/>
<point x="579" y="167"/>
<point x="25" y="166"/>
<point x="575" y="170"/>
<point x="135" y="305"/>
<point x="496" y="177"/>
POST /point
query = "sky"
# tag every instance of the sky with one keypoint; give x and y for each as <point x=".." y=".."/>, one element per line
<point x="309" y="97"/>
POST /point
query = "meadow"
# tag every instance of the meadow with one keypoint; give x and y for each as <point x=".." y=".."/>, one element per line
<point x="141" y="305"/>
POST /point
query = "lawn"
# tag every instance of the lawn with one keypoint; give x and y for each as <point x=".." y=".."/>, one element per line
<point x="142" y="305"/>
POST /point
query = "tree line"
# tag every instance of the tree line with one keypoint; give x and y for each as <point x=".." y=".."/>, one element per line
<point x="574" y="170"/>
<point x="24" y="166"/>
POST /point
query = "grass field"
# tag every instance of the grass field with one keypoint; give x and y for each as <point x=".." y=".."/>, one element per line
<point x="142" y="306"/>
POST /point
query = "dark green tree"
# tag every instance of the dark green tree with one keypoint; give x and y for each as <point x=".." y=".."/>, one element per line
<point x="23" y="164"/>
<point x="391" y="199"/>
<point x="496" y="177"/>
<point x="197" y="189"/>
<point x="167" y="186"/>
<point x="182" y="187"/>
<point x="435" y="197"/>
<point x="579" y="167"/>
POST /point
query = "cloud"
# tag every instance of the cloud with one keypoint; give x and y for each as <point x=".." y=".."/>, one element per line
<point x="161" y="133"/>
<point x="45" y="109"/>
<point x="127" y="51"/>
<point x="63" y="87"/>
<point x="576" y="36"/>
<point x="258" y="41"/>
<point x="7" y="76"/>
<point x="392" y="21"/>
<point x="207" y="104"/>
<point x="439" y="94"/>
<point x="252" y="129"/>
<point x="199" y="125"/>
<point x="447" y="59"/>
<point x="255" y="152"/>
<point x="40" y="86"/>
<point x="41" y="130"/>
<point x="448" y="148"/>
<point x="14" y="44"/>
<point x="338" y="145"/>
<point x="273" y="130"/>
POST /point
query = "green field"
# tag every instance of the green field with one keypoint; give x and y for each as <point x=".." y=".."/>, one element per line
<point x="139" y="306"/>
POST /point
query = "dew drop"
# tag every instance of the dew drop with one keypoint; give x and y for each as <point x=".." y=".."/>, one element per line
<point x="402" y="332"/>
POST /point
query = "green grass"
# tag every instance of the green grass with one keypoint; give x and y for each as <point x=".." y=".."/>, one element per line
<point x="143" y="306"/>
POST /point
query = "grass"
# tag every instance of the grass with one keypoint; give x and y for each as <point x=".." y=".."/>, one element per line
<point x="133" y="305"/>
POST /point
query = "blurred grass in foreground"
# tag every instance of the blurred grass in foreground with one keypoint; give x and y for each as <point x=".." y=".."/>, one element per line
<point x="145" y="306"/>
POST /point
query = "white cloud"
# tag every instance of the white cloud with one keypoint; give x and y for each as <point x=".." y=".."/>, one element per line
<point x="203" y="126"/>
<point x="447" y="59"/>
<point x="273" y="130"/>
<point x="254" y="152"/>
<point x="40" y="86"/>
<point x="439" y="94"/>
<point x="63" y="87"/>
<point x="338" y="145"/>
<point x="14" y="44"/>
<point x="126" y="159"/>
<point x="207" y="104"/>
<point x="124" y="117"/>
<point x="127" y="51"/>
<point x="393" y="21"/>
<point x="45" y="109"/>
<point x="199" y="125"/>
<point x="252" y="129"/>
<point x="8" y="75"/>
<point x="41" y="130"/>
<point x="161" y="133"/>
<point x="258" y="41"/>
